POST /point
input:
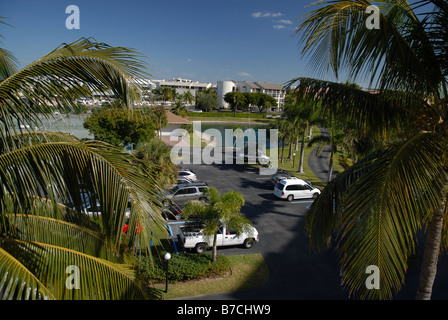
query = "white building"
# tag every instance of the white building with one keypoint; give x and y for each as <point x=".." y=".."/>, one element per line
<point x="274" y="90"/>
<point x="184" y="85"/>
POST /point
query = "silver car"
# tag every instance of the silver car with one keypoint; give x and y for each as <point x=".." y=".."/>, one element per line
<point x="181" y="193"/>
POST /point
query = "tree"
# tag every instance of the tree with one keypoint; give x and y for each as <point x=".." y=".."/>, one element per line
<point x="158" y="115"/>
<point x="206" y="100"/>
<point x="302" y="115"/>
<point x="219" y="209"/>
<point x="179" y="109"/>
<point x="120" y="127"/>
<point x="373" y="210"/>
<point x="236" y="100"/>
<point x="156" y="155"/>
<point x="265" y="101"/>
<point x="41" y="236"/>
<point x="187" y="97"/>
<point x="165" y="94"/>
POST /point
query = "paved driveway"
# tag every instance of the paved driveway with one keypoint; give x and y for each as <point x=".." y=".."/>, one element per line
<point x="295" y="272"/>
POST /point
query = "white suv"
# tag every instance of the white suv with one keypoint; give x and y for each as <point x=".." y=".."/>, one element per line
<point x="294" y="188"/>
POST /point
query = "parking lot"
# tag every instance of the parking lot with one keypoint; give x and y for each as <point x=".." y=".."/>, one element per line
<point x="295" y="273"/>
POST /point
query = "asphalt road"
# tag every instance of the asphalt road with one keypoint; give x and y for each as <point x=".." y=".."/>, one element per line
<point x="296" y="273"/>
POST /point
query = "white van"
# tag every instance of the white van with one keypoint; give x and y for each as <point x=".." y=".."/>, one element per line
<point x="294" y="188"/>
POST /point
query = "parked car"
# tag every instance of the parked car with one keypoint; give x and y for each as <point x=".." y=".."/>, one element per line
<point x="280" y="175"/>
<point x="258" y="157"/>
<point x="186" y="173"/>
<point x="181" y="180"/>
<point x="294" y="188"/>
<point x="193" y="238"/>
<point x="181" y="193"/>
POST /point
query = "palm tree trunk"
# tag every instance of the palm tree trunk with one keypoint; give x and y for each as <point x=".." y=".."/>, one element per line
<point x="283" y="149"/>
<point x="302" y="153"/>
<point x="330" y="165"/>
<point x="215" y="245"/>
<point x="431" y="254"/>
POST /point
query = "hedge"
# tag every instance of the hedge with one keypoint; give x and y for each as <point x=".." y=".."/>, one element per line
<point x="225" y="114"/>
<point x="184" y="266"/>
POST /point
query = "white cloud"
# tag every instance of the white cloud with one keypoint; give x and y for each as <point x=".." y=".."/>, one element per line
<point x="260" y="14"/>
<point x="284" y="21"/>
<point x="244" y="74"/>
<point x="278" y="26"/>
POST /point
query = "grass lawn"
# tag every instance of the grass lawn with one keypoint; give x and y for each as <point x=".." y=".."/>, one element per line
<point x="247" y="272"/>
<point x="293" y="166"/>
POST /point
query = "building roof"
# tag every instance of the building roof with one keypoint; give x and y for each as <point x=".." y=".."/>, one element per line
<point x="270" y="86"/>
<point x="251" y="84"/>
<point x="175" y="119"/>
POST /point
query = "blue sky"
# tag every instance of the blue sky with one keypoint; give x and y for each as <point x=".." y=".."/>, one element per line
<point x="202" y="40"/>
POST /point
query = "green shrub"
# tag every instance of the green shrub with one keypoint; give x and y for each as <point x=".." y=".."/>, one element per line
<point x="184" y="266"/>
<point x="224" y="114"/>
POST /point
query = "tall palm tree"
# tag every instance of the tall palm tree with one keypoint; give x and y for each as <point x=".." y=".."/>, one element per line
<point x="373" y="211"/>
<point x="304" y="116"/>
<point x="219" y="209"/>
<point x="48" y="178"/>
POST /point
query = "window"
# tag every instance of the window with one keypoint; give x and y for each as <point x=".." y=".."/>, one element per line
<point x="182" y="192"/>
<point x="293" y="187"/>
<point x="202" y="189"/>
<point x="280" y="186"/>
<point x="191" y="190"/>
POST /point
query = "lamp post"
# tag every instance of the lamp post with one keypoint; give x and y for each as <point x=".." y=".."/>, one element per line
<point x="167" y="259"/>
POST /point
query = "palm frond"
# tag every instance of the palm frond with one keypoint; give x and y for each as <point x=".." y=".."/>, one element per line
<point x="375" y="112"/>
<point x="379" y="205"/>
<point x="18" y="283"/>
<point x="60" y="233"/>
<point x="56" y="170"/>
<point x="397" y="56"/>
<point x="97" y="279"/>
<point x="44" y="85"/>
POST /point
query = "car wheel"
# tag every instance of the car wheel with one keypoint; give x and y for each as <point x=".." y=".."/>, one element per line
<point x="248" y="243"/>
<point x="200" y="248"/>
<point x="290" y="197"/>
<point x="315" y="195"/>
<point x="204" y="200"/>
<point x="166" y="203"/>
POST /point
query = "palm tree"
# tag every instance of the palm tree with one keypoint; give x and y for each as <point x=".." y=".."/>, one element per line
<point x="179" y="109"/>
<point x="373" y="211"/>
<point x="48" y="178"/>
<point x="187" y="97"/>
<point x="304" y="116"/>
<point x="219" y="209"/>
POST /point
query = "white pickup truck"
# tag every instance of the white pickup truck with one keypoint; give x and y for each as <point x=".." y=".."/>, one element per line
<point x="193" y="238"/>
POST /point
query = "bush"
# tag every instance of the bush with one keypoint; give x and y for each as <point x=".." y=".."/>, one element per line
<point x="183" y="267"/>
<point x="223" y="114"/>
